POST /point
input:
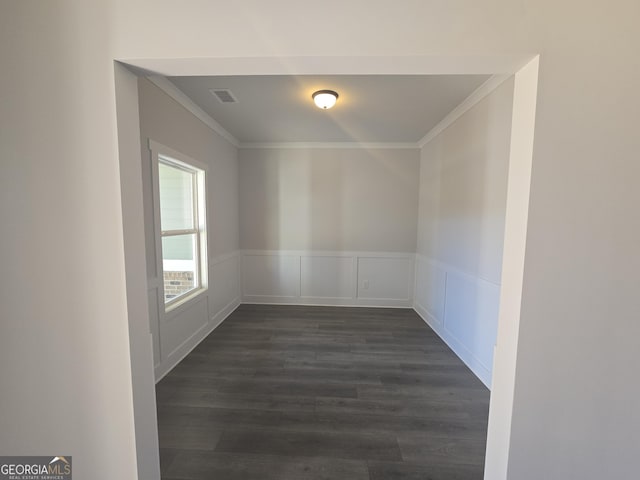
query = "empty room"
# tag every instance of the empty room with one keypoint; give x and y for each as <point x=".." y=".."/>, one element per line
<point x="199" y="282"/>
<point x="324" y="279"/>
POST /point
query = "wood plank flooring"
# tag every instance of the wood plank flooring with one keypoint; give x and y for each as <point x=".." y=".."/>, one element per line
<point x="310" y="393"/>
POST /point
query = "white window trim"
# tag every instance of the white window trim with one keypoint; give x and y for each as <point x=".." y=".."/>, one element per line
<point x="158" y="150"/>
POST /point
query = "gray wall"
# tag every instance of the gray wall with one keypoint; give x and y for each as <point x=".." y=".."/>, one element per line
<point x="463" y="188"/>
<point x="64" y="353"/>
<point x="463" y="198"/>
<point x="165" y="121"/>
<point x="349" y="199"/>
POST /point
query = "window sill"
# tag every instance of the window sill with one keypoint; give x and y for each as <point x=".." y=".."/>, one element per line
<point x="174" y="307"/>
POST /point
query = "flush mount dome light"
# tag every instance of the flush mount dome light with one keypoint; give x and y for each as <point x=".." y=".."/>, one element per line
<point x="325" y="98"/>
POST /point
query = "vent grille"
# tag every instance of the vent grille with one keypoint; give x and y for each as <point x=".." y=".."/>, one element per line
<point x="223" y="95"/>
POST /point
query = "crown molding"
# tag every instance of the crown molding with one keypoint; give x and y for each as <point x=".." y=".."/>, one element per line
<point x="481" y="92"/>
<point x="467" y="104"/>
<point x="310" y="145"/>
<point x="174" y="92"/>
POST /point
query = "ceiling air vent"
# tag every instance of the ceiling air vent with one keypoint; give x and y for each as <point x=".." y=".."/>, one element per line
<point x="223" y="95"/>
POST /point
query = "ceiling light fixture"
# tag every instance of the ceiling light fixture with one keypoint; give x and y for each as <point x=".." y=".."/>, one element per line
<point x="325" y="98"/>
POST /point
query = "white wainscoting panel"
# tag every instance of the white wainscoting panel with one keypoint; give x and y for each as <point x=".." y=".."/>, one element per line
<point x="471" y="314"/>
<point x="224" y="283"/>
<point x="462" y="309"/>
<point x="431" y="282"/>
<point x="179" y="326"/>
<point x="271" y="275"/>
<point x="326" y="277"/>
<point x="385" y="278"/>
<point x="154" y="323"/>
<point x="180" y="330"/>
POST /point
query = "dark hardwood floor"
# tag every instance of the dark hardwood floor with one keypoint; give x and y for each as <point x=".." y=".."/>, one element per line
<point x="306" y="393"/>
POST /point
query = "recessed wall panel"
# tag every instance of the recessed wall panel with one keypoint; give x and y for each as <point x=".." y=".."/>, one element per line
<point x="385" y="278"/>
<point x="471" y="314"/>
<point x="271" y="275"/>
<point x="326" y="277"/>
<point x="430" y="287"/>
<point x="224" y="283"/>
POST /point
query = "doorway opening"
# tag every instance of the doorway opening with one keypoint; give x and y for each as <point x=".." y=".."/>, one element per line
<point x="524" y="71"/>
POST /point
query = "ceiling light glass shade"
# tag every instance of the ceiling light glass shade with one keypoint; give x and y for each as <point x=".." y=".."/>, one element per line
<point x="325" y="98"/>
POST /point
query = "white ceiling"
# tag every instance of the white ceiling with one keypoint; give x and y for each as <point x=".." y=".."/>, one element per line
<point x="371" y="108"/>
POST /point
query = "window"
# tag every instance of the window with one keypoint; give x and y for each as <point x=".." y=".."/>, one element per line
<point x="181" y="203"/>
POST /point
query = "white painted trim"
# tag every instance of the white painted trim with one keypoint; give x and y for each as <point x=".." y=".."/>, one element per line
<point x="354" y="275"/>
<point x="224" y="257"/>
<point x="316" y="298"/>
<point x="173" y="310"/>
<point x="354" y="279"/>
<point x="354" y="300"/>
<point x="481" y="92"/>
<point x="186" y="347"/>
<point x="432" y="315"/>
<point x="467" y="104"/>
<point x="158" y="148"/>
<point x="329" y="253"/>
<point x="515" y="245"/>
<point x="200" y="170"/>
<point x="325" y="302"/>
<point x="334" y="65"/>
<point x="166" y="363"/>
<point x="222" y="315"/>
<point x="132" y="227"/>
<point x="176" y="350"/>
<point x="174" y="92"/>
<point x="175" y="357"/>
<point x="458" y="348"/>
<point x="157" y="281"/>
<point x="337" y="145"/>
<point x="281" y="299"/>
<point x="438" y="325"/>
<point x="454" y="269"/>
<point x="500" y="415"/>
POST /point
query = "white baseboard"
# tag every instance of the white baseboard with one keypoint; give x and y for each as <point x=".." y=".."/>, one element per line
<point x="192" y="342"/>
<point x="340" y="278"/>
<point x="463" y="353"/>
<point x="458" y="348"/>
<point x="346" y="279"/>
<point x="326" y="302"/>
<point x="222" y="315"/>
